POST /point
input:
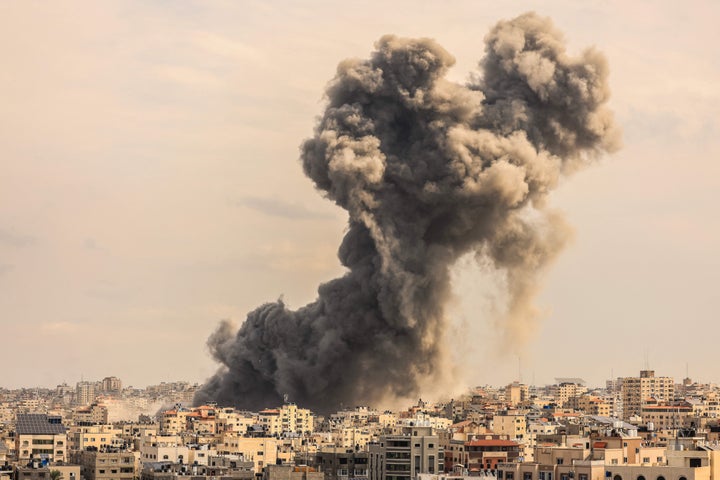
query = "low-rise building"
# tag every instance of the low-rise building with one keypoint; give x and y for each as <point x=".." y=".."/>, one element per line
<point x="40" y="436"/>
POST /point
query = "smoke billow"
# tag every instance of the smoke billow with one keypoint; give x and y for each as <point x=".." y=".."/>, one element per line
<point x="428" y="170"/>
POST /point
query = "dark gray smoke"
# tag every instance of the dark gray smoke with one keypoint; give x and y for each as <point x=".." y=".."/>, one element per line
<point x="428" y="170"/>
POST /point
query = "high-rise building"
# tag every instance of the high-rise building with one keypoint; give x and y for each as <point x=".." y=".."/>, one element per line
<point x="85" y="393"/>
<point x="637" y="391"/>
<point x="111" y="385"/>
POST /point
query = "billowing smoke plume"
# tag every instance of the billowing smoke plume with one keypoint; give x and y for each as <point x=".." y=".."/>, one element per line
<point x="428" y="171"/>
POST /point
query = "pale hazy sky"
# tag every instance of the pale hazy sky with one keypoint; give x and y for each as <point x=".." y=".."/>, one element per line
<point x="150" y="184"/>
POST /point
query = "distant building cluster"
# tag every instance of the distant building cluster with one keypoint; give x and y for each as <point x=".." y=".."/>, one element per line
<point x="634" y="428"/>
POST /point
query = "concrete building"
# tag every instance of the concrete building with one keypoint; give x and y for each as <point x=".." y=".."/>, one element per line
<point x="107" y="464"/>
<point x="85" y="393"/>
<point x="163" y="448"/>
<point x="35" y="471"/>
<point x="665" y="416"/>
<point x="290" y="472"/>
<point x="566" y="389"/>
<point x="516" y="393"/>
<point x="81" y="437"/>
<point x="288" y="419"/>
<point x="262" y="451"/>
<point x="485" y="454"/>
<point x="342" y="465"/>
<point x="221" y="468"/>
<point x="111" y="385"/>
<point x="41" y="437"/>
<point x="513" y="425"/>
<point x="637" y="391"/>
<point x="93" y="414"/>
<point x="590" y="405"/>
<point x="401" y="457"/>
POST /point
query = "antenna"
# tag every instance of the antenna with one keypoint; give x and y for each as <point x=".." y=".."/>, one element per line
<point x="519" y="369"/>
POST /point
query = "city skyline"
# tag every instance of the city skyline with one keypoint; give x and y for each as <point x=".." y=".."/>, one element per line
<point x="151" y="186"/>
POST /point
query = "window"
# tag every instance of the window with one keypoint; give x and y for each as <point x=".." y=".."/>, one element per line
<point x="617" y="477"/>
<point x="560" y="461"/>
<point x="583" y="476"/>
<point x="527" y="476"/>
<point x="641" y="477"/>
<point x="660" y="477"/>
<point x="509" y="475"/>
<point x="431" y="445"/>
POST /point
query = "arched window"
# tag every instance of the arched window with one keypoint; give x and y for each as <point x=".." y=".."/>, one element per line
<point x="617" y="477"/>
<point x="682" y="478"/>
<point x="660" y="477"/>
<point x="641" y="477"/>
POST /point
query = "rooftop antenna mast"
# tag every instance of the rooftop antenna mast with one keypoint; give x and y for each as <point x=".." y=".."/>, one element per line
<point x="519" y="369"/>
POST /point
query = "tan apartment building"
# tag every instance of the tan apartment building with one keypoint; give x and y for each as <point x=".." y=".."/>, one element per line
<point x="516" y="393"/>
<point x="513" y="425"/>
<point x="260" y="450"/>
<point x="564" y="391"/>
<point x="97" y="436"/>
<point x="40" y="436"/>
<point x="286" y="419"/>
<point x="93" y="414"/>
<point x="163" y="448"/>
<point x="665" y="416"/>
<point x="590" y="405"/>
<point x="637" y="391"/>
<point x="107" y="465"/>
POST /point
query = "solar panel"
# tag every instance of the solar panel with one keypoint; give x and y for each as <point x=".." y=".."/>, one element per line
<point x="38" y="424"/>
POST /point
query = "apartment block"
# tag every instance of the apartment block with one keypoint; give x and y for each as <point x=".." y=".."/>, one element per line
<point x="106" y="465"/>
<point x="401" y="457"/>
<point x="637" y="391"/>
<point x="40" y="436"/>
